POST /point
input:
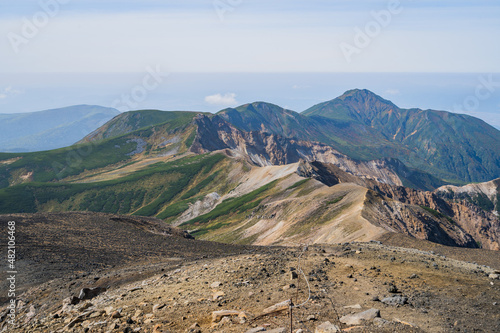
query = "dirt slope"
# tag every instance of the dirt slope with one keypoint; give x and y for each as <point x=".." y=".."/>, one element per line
<point x="437" y="294"/>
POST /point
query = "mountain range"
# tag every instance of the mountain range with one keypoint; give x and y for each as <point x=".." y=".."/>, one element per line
<point x="356" y="168"/>
<point x="363" y="125"/>
<point x="50" y="129"/>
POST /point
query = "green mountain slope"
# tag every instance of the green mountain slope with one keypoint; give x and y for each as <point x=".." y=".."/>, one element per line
<point x="131" y="121"/>
<point x="88" y="158"/>
<point x="454" y="147"/>
<point x="270" y="118"/>
<point x="450" y="146"/>
<point x="146" y="192"/>
<point x="50" y="129"/>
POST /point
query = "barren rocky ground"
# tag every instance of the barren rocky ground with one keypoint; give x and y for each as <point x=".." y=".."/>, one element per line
<point x="192" y="286"/>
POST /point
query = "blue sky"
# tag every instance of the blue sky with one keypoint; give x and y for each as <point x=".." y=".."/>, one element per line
<point x="55" y="53"/>
<point x="251" y="36"/>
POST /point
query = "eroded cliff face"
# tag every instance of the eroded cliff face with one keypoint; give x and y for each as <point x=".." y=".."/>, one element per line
<point x="477" y="208"/>
<point x="269" y="149"/>
<point x="420" y="214"/>
<point x="455" y="220"/>
<point x="413" y="220"/>
<point x="482" y="225"/>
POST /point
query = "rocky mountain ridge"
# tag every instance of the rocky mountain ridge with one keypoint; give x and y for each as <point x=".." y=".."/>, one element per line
<point x="365" y="126"/>
<point x="270" y="149"/>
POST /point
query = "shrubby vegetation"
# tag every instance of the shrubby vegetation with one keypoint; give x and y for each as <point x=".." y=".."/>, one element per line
<point x="145" y="192"/>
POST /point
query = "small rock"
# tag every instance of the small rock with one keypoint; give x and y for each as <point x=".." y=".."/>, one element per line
<point x="113" y="326"/>
<point x="311" y="318"/>
<point x="392" y="289"/>
<point x="96" y="314"/>
<point x="277" y="307"/>
<point x="109" y="310"/>
<point x="256" y="329"/>
<point x="355" y="306"/>
<point x="494" y="276"/>
<point x="293" y="275"/>
<point x="216" y="284"/>
<point x="289" y="286"/>
<point x="218" y="315"/>
<point x="137" y="315"/>
<point x="31" y="313"/>
<point x="278" y="330"/>
<point x="414" y="276"/>
<point x="195" y="328"/>
<point x="86" y="306"/>
<point x="157" y="307"/>
<point x="358" y="318"/>
<point x="159" y="329"/>
<point x="327" y="327"/>
<point x="375" y="299"/>
<point x="217" y="295"/>
<point x="73" y="300"/>
<point x="116" y="314"/>
<point x="89" y="293"/>
<point x="195" y="325"/>
<point x="380" y="321"/>
<point x="395" y="300"/>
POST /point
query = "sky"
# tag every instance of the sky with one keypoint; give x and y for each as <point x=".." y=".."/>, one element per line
<point x="62" y="43"/>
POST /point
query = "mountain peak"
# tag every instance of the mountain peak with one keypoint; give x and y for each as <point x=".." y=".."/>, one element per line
<point x="364" y="95"/>
<point x="359" y="104"/>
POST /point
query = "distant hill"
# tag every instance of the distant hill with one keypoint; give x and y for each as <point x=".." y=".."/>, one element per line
<point x="50" y="129"/>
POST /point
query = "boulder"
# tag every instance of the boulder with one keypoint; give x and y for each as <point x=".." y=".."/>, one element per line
<point x="358" y="318"/>
<point x="218" y="315"/>
<point x="395" y="300"/>
<point x="256" y="329"/>
<point x="89" y="293"/>
<point x="327" y="327"/>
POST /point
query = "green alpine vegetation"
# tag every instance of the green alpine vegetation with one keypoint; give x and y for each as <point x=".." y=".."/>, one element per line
<point x="146" y="192"/>
<point x="174" y="134"/>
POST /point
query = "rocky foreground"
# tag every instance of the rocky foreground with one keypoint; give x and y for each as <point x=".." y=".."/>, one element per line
<point x="355" y="287"/>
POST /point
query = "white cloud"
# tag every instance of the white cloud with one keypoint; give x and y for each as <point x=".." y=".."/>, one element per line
<point x="392" y="92"/>
<point x="8" y="92"/>
<point x="228" y="99"/>
<point x="299" y="86"/>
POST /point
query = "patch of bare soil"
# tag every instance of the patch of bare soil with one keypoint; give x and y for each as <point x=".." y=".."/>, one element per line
<point x="403" y="289"/>
<point x="84" y="244"/>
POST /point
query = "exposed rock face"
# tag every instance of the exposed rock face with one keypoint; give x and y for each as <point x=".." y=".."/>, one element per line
<point x="318" y="171"/>
<point x="262" y="149"/>
<point x="198" y="208"/>
<point x="413" y="220"/>
<point x="399" y="209"/>
<point x="482" y="225"/>
<point x="448" y="216"/>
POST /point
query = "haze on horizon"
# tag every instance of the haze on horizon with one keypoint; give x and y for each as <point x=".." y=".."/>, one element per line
<point x="243" y="36"/>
